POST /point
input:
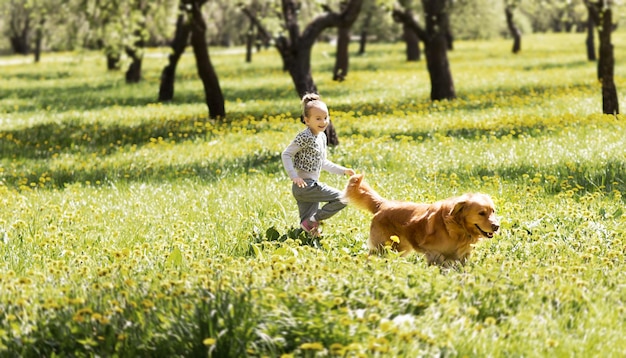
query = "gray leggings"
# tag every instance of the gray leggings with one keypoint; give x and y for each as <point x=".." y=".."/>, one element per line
<point x="309" y="198"/>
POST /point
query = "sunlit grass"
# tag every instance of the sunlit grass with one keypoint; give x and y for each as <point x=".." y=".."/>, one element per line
<point x="135" y="228"/>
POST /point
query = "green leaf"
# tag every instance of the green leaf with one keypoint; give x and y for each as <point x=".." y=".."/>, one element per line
<point x="175" y="258"/>
<point x="272" y="234"/>
<point x="618" y="213"/>
<point x="257" y="251"/>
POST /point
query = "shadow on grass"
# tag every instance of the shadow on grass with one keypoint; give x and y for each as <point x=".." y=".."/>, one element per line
<point x="44" y="140"/>
<point x="87" y="96"/>
<point x="78" y="97"/>
<point x="468" y="133"/>
<point x="549" y="66"/>
<point x="500" y="97"/>
<point x="582" y="178"/>
<point x="42" y="175"/>
<point x="113" y="91"/>
<point x="595" y="177"/>
<point x="41" y="76"/>
<point x="50" y="139"/>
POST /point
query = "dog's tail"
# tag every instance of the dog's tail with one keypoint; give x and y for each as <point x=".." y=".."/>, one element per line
<point x="359" y="194"/>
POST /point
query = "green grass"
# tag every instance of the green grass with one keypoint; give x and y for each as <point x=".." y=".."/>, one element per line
<point x="133" y="228"/>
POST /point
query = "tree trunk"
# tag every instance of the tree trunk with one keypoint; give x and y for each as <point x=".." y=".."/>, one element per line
<point x="589" y="41"/>
<point x="413" y="52"/>
<point x="513" y="30"/>
<point x="439" y="69"/>
<point x="135" y="51"/>
<point x="296" y="50"/>
<point x="602" y="16"/>
<point x="263" y="36"/>
<point x="437" y="50"/>
<point x="113" y="61"/>
<point x="343" y="42"/>
<point x="341" y="60"/>
<point x="299" y="67"/>
<point x="19" y="34"/>
<point x="610" y="104"/>
<point x="212" y="90"/>
<point x="39" y="39"/>
<point x="410" y="35"/>
<point x="364" y="32"/>
<point x="435" y="38"/>
<point x="19" y="45"/>
<point x="249" y="42"/>
<point x="168" y="76"/>
<point x="133" y="74"/>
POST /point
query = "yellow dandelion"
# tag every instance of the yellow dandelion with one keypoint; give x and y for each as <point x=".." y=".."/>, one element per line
<point x="354" y="347"/>
<point x="373" y="317"/>
<point x="337" y="348"/>
<point x="209" y="342"/>
<point x="388" y="327"/>
<point x="346" y="321"/>
<point x="314" y="346"/>
<point x="395" y="239"/>
<point x="78" y="318"/>
<point x="472" y="311"/>
<point x="76" y="301"/>
<point x="25" y="281"/>
<point x="379" y="345"/>
<point x="552" y="343"/>
<point x="84" y="311"/>
<point x="147" y="304"/>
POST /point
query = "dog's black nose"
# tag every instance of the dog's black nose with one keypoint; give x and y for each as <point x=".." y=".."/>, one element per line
<point x="495" y="227"/>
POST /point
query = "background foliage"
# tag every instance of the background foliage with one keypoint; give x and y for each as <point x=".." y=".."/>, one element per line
<point x="77" y="24"/>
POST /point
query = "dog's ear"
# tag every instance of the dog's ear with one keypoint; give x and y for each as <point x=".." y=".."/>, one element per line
<point x="355" y="180"/>
<point x="457" y="208"/>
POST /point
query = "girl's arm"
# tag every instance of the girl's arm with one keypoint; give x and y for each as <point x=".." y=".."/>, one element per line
<point x="336" y="168"/>
<point x="287" y="157"/>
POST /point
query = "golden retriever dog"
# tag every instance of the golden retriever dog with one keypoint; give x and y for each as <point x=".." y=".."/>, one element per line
<point x="444" y="231"/>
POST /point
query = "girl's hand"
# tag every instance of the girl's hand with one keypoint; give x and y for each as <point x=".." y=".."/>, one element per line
<point x="349" y="172"/>
<point x="299" y="182"/>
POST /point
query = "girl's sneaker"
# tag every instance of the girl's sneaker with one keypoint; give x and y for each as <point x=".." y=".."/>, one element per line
<point x="312" y="227"/>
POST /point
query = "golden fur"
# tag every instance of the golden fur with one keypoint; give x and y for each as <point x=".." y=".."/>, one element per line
<point x="444" y="231"/>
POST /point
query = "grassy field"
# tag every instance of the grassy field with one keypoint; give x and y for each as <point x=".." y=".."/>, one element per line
<point x="132" y="228"/>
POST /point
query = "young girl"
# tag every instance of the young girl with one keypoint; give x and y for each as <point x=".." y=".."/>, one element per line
<point x="304" y="159"/>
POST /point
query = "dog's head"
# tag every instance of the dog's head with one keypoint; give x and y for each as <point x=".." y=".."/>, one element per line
<point x="360" y="194"/>
<point x="477" y="214"/>
<point x="355" y="181"/>
<point x="352" y="188"/>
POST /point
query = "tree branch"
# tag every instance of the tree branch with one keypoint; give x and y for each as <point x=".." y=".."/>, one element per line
<point x="331" y="19"/>
<point x="406" y="18"/>
<point x="262" y="30"/>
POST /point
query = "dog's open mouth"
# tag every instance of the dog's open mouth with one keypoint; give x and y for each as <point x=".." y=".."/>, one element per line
<point x="485" y="234"/>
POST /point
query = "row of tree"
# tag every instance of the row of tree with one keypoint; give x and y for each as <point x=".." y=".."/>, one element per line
<point x="436" y="37"/>
<point x="72" y="24"/>
<point x="127" y="26"/>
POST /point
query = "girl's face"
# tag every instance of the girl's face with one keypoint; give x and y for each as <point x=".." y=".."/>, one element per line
<point x="318" y="119"/>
